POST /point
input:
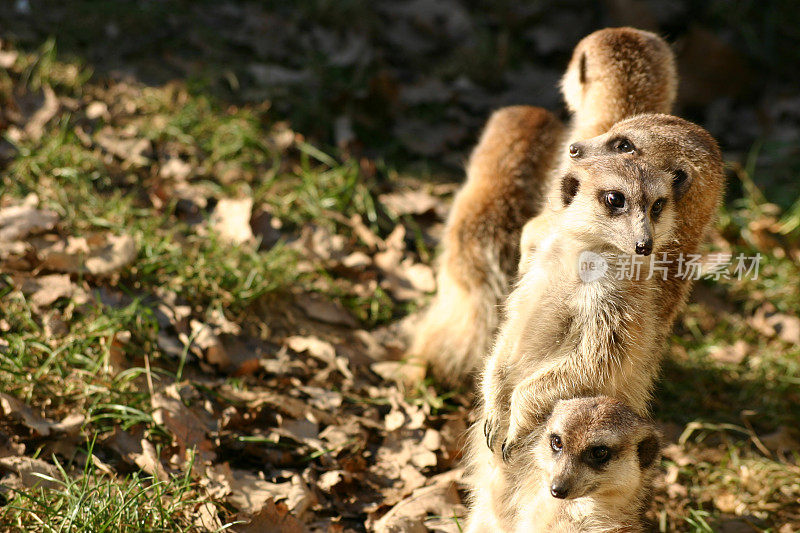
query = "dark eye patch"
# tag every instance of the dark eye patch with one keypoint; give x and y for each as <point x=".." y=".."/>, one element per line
<point x="582" y="69"/>
<point x="598" y="456"/>
<point x="622" y="145"/>
<point x="569" y="188"/>
<point x="658" y="206"/>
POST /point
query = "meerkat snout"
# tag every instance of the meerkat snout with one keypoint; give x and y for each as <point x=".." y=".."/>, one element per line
<point x="644" y="247"/>
<point x="559" y="489"/>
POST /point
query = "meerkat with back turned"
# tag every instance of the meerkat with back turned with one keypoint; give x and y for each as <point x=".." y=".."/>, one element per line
<point x="616" y="73"/>
<point x="650" y="186"/>
<point x="503" y="190"/>
<point x="590" y="470"/>
<point x="613" y="73"/>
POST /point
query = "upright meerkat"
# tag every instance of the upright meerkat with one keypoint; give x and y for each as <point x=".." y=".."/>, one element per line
<point x="616" y="73"/>
<point x="613" y="74"/>
<point x="504" y="188"/>
<point x="648" y="187"/>
<point x="590" y="470"/>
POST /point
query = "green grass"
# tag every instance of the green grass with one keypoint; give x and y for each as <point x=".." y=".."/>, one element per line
<point x="92" y="501"/>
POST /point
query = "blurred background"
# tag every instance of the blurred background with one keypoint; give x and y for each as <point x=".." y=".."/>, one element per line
<point x="415" y="80"/>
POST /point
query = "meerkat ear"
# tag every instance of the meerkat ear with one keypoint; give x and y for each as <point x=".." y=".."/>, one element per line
<point x="680" y="183"/>
<point x="582" y="69"/>
<point x="569" y="188"/>
<point x="648" y="449"/>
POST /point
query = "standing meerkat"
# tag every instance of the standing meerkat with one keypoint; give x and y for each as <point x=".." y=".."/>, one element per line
<point x="648" y="187"/>
<point x="590" y="470"/>
<point x="614" y="73"/>
<point x="504" y="189"/>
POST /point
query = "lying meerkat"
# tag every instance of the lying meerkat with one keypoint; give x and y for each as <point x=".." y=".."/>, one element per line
<point x="648" y="187"/>
<point x="590" y="470"/>
<point x="614" y="73"/>
<point x="504" y="188"/>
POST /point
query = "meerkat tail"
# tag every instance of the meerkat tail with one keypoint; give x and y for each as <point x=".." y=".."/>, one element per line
<point x="506" y="180"/>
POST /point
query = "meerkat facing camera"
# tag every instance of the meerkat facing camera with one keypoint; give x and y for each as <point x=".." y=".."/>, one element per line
<point x="590" y="470"/>
<point x="614" y="73"/>
<point x="648" y="187"/>
<point x="504" y="188"/>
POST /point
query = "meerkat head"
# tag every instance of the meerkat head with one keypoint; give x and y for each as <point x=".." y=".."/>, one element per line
<point x="637" y="178"/>
<point x="619" y="205"/>
<point x="596" y="447"/>
<point x="622" y="71"/>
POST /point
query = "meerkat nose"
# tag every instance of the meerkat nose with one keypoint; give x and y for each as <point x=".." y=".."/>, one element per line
<point x="575" y="150"/>
<point x="644" y="247"/>
<point x="559" y="490"/>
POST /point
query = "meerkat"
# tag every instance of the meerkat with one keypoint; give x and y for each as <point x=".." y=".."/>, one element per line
<point x="616" y="73"/>
<point x="591" y="469"/>
<point x="504" y="188"/>
<point x="645" y="191"/>
<point x="613" y="74"/>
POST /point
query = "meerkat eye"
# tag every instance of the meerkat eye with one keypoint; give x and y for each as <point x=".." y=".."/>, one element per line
<point x="625" y="146"/>
<point x="600" y="454"/>
<point x="555" y="443"/>
<point x="615" y="200"/>
<point x="658" y="206"/>
<point x="574" y="150"/>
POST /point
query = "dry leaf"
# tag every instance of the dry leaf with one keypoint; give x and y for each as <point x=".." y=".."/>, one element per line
<point x="730" y="354"/>
<point x="188" y="428"/>
<point x="17" y="222"/>
<point x="410" y="202"/>
<point x="231" y="220"/>
<point x="22" y="413"/>
<point x="99" y="254"/>
<point x="29" y="472"/>
<point x="409" y="515"/>
<point x="34" y="129"/>
<point x="125" y="147"/>
<point x="325" y="310"/>
<point x="45" y="290"/>
<point x="272" y="518"/>
<point x="771" y="323"/>
<point x="322" y="350"/>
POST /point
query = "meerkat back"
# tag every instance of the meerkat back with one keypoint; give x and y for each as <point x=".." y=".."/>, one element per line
<point x="506" y="177"/>
<point x="616" y="73"/>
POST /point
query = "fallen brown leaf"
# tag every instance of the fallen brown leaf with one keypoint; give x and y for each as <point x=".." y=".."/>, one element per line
<point x="98" y="254"/>
<point x="771" y="323"/>
<point x="272" y="518"/>
<point x="231" y="220"/>
<point x="19" y="221"/>
<point x="29" y="472"/>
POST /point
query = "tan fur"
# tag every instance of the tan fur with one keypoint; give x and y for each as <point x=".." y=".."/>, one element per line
<point x="504" y="188"/>
<point x="564" y="337"/>
<point x="616" y="73"/>
<point x="605" y="497"/>
<point x="613" y="74"/>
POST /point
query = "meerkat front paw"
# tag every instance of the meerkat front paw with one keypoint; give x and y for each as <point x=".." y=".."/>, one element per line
<point x="495" y="427"/>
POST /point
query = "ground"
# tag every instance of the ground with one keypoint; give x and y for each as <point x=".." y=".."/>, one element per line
<point x="215" y="218"/>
